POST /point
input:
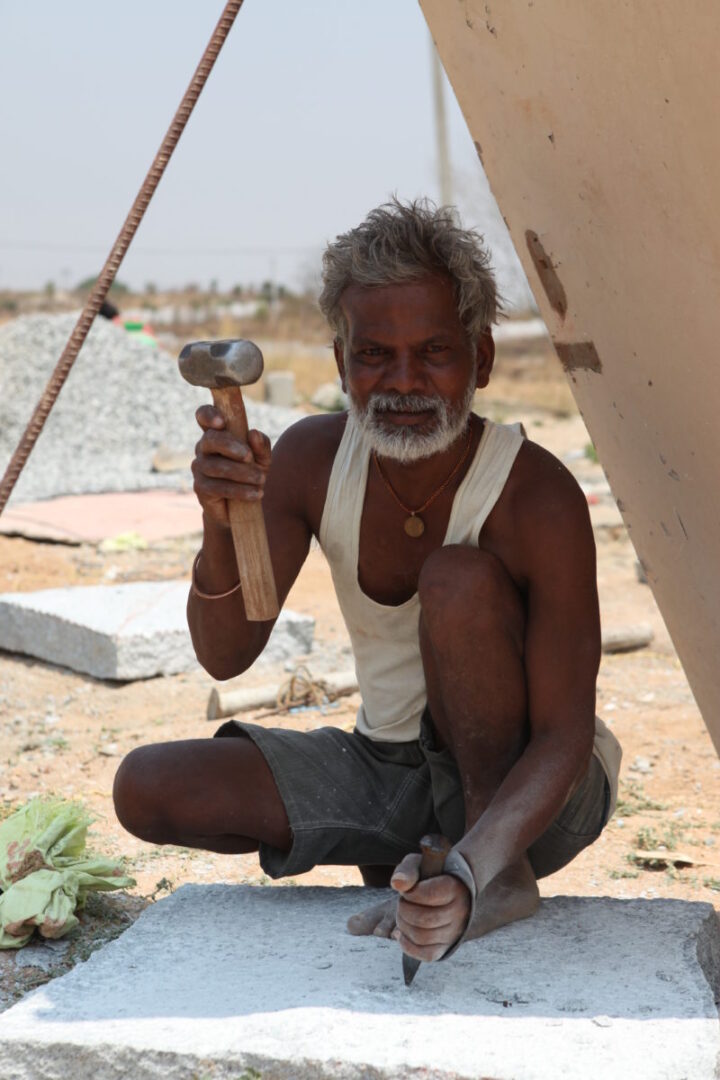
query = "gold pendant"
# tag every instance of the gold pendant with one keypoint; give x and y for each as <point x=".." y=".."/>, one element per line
<point x="414" y="526"/>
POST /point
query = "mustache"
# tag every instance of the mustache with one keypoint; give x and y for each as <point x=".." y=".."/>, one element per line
<point x="407" y="403"/>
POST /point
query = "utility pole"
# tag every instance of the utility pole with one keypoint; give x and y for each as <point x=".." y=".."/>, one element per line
<point x="441" y="138"/>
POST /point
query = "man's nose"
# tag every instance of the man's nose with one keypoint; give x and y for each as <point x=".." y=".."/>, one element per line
<point x="402" y="374"/>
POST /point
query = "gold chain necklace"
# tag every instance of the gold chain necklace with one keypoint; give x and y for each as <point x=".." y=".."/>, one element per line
<point x="414" y="525"/>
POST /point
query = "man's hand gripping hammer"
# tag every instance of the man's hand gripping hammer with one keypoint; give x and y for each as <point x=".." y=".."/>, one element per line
<point x="224" y="367"/>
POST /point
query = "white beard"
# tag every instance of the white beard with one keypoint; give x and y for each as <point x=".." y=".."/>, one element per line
<point x="405" y="444"/>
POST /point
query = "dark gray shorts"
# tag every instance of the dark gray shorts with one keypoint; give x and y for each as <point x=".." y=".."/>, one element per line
<point x="352" y="800"/>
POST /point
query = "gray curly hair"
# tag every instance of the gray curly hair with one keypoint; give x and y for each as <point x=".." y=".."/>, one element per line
<point x="399" y="242"/>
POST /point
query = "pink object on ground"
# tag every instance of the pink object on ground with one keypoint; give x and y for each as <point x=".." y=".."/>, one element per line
<point x="77" y="519"/>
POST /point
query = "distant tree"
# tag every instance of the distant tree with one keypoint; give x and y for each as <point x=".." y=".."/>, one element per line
<point x="213" y="286"/>
<point x="49" y="290"/>
<point x="236" y="292"/>
<point x="151" y="288"/>
<point x="117" y="288"/>
<point x="267" y="291"/>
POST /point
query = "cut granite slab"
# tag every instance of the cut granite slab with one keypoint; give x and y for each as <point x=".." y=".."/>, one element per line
<point x="130" y="631"/>
<point x="227" y="981"/>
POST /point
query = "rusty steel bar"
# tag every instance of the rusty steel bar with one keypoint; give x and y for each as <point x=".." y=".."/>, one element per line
<point x="118" y="251"/>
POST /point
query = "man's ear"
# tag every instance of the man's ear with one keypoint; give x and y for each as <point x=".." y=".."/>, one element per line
<point x="485" y="355"/>
<point x="340" y="361"/>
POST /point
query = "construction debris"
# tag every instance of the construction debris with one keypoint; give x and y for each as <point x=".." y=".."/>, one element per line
<point x="626" y="638"/>
<point x="300" y="690"/>
<point x="123" y="400"/>
<point x="135" y="630"/>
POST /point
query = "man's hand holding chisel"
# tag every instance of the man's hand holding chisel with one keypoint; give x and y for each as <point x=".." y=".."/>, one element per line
<point x="432" y="909"/>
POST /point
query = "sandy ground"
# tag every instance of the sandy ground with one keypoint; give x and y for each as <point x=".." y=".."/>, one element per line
<point x="65" y="734"/>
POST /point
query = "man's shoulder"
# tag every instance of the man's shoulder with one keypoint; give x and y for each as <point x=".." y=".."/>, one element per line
<point x="540" y="483"/>
<point x="541" y="522"/>
<point x="311" y="439"/>
<point x="542" y="509"/>
<point x="302" y="462"/>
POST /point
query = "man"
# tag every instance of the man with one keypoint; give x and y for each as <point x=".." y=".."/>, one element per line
<point x="464" y="563"/>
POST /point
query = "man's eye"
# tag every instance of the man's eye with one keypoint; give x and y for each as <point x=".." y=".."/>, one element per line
<point x="436" y="348"/>
<point x="372" y="350"/>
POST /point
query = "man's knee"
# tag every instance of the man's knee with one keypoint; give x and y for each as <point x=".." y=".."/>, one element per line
<point x="459" y="581"/>
<point x="137" y="793"/>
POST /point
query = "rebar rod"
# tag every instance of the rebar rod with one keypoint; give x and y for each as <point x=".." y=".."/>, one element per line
<point x="117" y="252"/>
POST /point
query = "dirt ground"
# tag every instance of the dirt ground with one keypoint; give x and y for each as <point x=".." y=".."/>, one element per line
<point x="65" y="734"/>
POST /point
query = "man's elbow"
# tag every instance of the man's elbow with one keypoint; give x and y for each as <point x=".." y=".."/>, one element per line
<point x="220" y="671"/>
<point x="228" y="666"/>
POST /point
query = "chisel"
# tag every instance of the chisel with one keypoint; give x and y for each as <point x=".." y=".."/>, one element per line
<point x="434" y="850"/>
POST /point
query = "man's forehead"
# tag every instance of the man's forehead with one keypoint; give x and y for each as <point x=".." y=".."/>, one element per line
<point x="428" y="305"/>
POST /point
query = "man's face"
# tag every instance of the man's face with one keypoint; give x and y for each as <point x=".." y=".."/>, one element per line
<point x="408" y="367"/>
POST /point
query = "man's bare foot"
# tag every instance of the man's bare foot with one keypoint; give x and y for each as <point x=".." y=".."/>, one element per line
<point x="511" y="896"/>
<point x="378" y="920"/>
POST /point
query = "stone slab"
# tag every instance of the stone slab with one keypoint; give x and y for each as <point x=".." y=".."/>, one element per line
<point x="134" y="630"/>
<point x="89" y="519"/>
<point x="239" y="981"/>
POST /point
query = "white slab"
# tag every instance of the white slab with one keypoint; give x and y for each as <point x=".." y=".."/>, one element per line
<point x="216" y="980"/>
<point x="131" y="631"/>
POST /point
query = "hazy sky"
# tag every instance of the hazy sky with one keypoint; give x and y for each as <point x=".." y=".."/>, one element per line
<point x="315" y="112"/>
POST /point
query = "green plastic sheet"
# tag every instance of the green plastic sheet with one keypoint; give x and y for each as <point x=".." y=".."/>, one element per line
<point x="46" y="873"/>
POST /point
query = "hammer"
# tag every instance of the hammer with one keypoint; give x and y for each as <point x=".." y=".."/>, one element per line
<point x="223" y="367"/>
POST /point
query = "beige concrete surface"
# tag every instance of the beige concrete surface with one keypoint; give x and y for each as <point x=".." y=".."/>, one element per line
<point x="597" y="127"/>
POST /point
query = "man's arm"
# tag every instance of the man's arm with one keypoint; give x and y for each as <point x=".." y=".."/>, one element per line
<point x="552" y="554"/>
<point x="555" y="551"/>
<point x="224" y="468"/>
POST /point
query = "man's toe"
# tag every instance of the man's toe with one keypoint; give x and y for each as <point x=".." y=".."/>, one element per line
<point x="386" y="925"/>
<point x="378" y="920"/>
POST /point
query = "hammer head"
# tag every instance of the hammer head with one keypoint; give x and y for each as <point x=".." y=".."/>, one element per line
<point x="217" y="364"/>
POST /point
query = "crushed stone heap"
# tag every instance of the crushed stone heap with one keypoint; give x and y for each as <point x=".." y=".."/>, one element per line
<point x="121" y="401"/>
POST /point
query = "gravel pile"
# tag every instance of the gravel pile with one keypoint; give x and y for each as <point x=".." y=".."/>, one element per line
<point x="121" y="401"/>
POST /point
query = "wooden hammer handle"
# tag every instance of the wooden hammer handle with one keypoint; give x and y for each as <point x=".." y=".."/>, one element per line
<point x="247" y="523"/>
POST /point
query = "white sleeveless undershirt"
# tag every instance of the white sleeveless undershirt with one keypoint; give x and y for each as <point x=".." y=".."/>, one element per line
<point x="385" y="637"/>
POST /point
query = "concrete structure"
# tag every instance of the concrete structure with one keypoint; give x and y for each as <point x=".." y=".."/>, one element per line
<point x="280" y="388"/>
<point x="239" y="981"/>
<point x="330" y="396"/>
<point x="599" y="136"/>
<point x="131" y="631"/>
